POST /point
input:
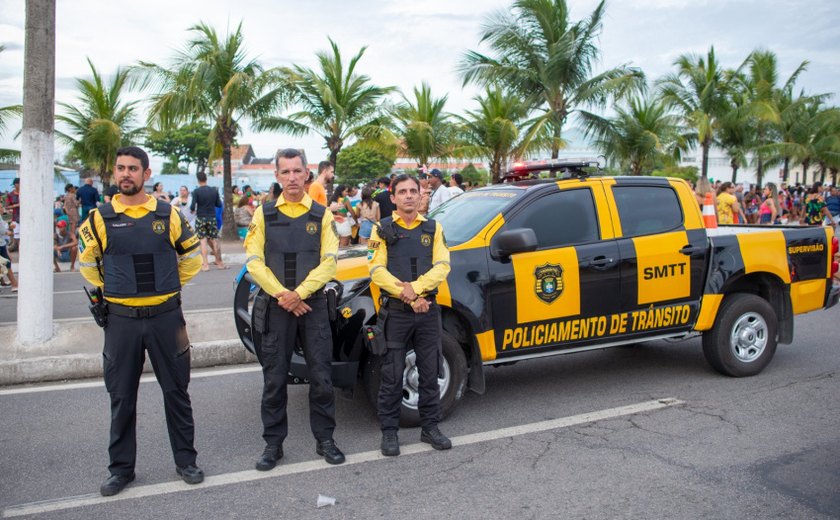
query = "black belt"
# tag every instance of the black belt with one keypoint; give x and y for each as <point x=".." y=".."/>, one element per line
<point x="395" y="303"/>
<point x="128" y="311"/>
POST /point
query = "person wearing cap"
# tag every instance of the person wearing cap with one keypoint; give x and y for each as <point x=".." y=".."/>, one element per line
<point x="64" y="246"/>
<point x="140" y="251"/>
<point x="440" y="192"/>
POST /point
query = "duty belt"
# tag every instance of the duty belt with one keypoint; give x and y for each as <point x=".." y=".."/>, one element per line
<point x="129" y="311"/>
<point x="397" y="304"/>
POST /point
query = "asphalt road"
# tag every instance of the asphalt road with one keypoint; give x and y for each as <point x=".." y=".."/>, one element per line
<point x="760" y="447"/>
<point x="208" y="290"/>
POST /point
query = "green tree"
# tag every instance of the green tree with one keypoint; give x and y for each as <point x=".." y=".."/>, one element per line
<point x="473" y="175"/>
<point x="548" y="60"/>
<point x="688" y="173"/>
<point x="698" y="91"/>
<point x="100" y="122"/>
<point x="213" y="79"/>
<point x="7" y="113"/>
<point x="424" y="126"/>
<point x="360" y="163"/>
<point x="188" y="144"/>
<point x="493" y="131"/>
<point x="637" y="135"/>
<point x="336" y="103"/>
<point x="814" y="137"/>
<point x="736" y="133"/>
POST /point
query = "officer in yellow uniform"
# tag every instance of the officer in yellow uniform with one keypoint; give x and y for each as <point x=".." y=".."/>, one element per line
<point x="292" y="245"/>
<point x="408" y="260"/>
<point x="140" y="252"/>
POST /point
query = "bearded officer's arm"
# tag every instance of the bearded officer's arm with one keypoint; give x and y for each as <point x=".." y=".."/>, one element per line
<point x="186" y="245"/>
<point x="318" y="277"/>
<point x="90" y="254"/>
<point x="255" y="249"/>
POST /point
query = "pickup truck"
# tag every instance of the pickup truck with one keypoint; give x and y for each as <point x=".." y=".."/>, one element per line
<point x="542" y="267"/>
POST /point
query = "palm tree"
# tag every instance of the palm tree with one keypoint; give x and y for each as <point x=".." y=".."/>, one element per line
<point x="213" y="79"/>
<point x="736" y="133"/>
<point x="425" y="128"/>
<point x="637" y="135"/>
<point x="548" y="60"/>
<point x="494" y="130"/>
<point x="6" y="113"/>
<point x="335" y="103"/>
<point x="814" y="137"/>
<point x="698" y="91"/>
<point x="100" y="122"/>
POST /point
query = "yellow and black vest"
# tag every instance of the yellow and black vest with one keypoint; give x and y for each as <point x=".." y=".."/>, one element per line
<point x="409" y="250"/>
<point x="292" y="245"/>
<point x="139" y="259"/>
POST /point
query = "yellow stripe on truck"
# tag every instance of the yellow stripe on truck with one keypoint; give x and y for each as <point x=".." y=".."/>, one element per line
<point x="762" y="253"/>
<point x="808" y="295"/>
<point x="663" y="272"/>
<point x="709" y="305"/>
<point x="487" y="345"/>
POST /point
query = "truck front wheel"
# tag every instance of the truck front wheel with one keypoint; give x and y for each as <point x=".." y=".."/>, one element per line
<point x="743" y="339"/>
<point x="452" y="381"/>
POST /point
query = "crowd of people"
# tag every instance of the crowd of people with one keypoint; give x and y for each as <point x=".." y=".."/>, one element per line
<point x="813" y="205"/>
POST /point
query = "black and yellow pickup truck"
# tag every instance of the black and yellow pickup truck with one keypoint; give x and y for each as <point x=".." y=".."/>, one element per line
<point x="547" y="267"/>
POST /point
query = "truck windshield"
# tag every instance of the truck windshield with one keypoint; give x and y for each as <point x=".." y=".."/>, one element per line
<point x="464" y="216"/>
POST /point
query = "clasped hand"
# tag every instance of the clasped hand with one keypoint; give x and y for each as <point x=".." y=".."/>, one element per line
<point x="291" y="302"/>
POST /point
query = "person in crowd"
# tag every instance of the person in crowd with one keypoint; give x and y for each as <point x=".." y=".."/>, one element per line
<point x="88" y="196"/>
<point x="752" y="201"/>
<point x="182" y="203"/>
<point x="814" y="210"/>
<point x="144" y="312"/>
<point x="13" y="200"/>
<point x="205" y="200"/>
<point x="158" y="193"/>
<point x="770" y="211"/>
<point x="109" y="193"/>
<point x="318" y="188"/>
<point x="243" y="214"/>
<point x="727" y="204"/>
<point x="71" y="207"/>
<point x="832" y="202"/>
<point x="5" y="258"/>
<point x="291" y="262"/>
<point x="408" y="260"/>
<point x="64" y="246"/>
<point x="368" y="215"/>
<point x="703" y="187"/>
<point x="440" y="192"/>
<point x="425" y="193"/>
<point x="456" y="184"/>
<point x="343" y="214"/>
<point x="236" y="194"/>
<point x="382" y="196"/>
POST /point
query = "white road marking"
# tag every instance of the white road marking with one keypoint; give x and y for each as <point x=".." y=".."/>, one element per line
<point x="143" y="379"/>
<point x="59" y="504"/>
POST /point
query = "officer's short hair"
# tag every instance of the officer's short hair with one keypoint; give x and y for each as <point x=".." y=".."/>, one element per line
<point x="137" y="153"/>
<point x="403" y="177"/>
<point x="289" y="153"/>
<point x="323" y="165"/>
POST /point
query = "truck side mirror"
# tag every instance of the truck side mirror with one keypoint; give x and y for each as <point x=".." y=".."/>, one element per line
<point x="512" y="241"/>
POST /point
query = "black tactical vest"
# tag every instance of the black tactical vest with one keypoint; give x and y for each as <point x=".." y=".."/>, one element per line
<point x="409" y="250"/>
<point x="139" y="259"/>
<point x="292" y="245"/>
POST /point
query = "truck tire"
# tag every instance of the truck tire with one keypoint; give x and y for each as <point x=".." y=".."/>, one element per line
<point x="452" y="384"/>
<point x="743" y="340"/>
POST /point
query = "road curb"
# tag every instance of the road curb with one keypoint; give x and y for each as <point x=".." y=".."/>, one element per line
<point x="79" y="366"/>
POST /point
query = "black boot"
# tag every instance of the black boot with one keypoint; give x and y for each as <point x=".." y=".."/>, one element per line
<point x="390" y="445"/>
<point x="329" y="451"/>
<point x="115" y="483"/>
<point x="438" y="440"/>
<point x="269" y="458"/>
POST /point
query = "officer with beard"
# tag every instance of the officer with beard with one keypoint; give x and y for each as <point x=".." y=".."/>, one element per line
<point x="139" y="251"/>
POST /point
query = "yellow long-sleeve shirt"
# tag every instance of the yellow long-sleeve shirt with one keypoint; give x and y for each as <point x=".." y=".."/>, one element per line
<point x="180" y="235"/>
<point x="426" y="282"/>
<point x="255" y="248"/>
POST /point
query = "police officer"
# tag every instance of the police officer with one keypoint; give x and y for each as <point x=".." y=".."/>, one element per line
<point x="408" y="259"/>
<point x="292" y="245"/>
<point x="140" y="251"/>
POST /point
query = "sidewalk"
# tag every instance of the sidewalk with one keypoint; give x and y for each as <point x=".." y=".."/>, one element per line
<point x="75" y="351"/>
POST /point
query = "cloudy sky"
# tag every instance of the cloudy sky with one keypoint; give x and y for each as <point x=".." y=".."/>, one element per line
<point x="409" y="42"/>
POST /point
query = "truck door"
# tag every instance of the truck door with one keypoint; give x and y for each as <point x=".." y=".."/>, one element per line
<point x="663" y="255"/>
<point x="543" y="300"/>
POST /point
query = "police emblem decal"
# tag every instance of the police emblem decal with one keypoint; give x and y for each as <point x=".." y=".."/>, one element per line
<point x="346" y="312"/>
<point x="158" y="227"/>
<point x="311" y="228"/>
<point x="426" y="240"/>
<point x="549" y="282"/>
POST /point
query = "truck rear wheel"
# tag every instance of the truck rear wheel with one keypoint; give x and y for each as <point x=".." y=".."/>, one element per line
<point x="452" y="382"/>
<point x="743" y="339"/>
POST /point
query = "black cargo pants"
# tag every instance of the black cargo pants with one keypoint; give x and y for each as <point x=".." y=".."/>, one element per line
<point x="278" y="343"/>
<point x="423" y="331"/>
<point x="164" y="336"/>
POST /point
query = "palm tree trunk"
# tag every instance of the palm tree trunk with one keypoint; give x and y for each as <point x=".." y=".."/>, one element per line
<point x="833" y="176"/>
<point x="704" y="172"/>
<point x="228" y="224"/>
<point x="805" y="164"/>
<point x="734" y="165"/>
<point x="786" y="170"/>
<point x="822" y="172"/>
<point x="759" y="174"/>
